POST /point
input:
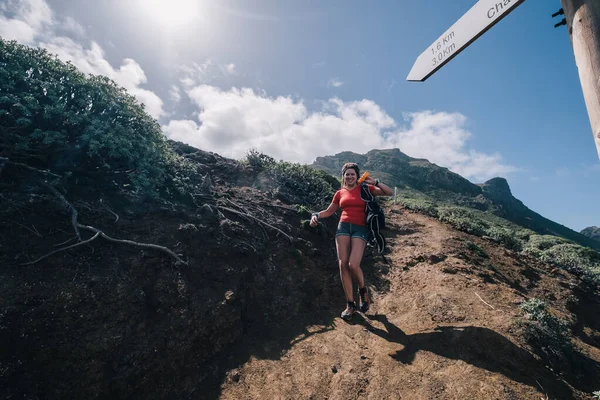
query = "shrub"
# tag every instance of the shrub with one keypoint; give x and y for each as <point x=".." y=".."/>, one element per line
<point x="422" y="206"/>
<point x="259" y="160"/>
<point x="476" y="249"/>
<point x="505" y="236"/>
<point x="86" y="127"/>
<point x="462" y="220"/>
<point x="303" y="211"/>
<point x="547" y="335"/>
<point x="582" y="261"/>
<point x="310" y="185"/>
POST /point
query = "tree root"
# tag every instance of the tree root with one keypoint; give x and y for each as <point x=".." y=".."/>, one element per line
<point x="63" y="248"/>
<point x="110" y="211"/>
<point x="5" y="161"/>
<point x="69" y="207"/>
<point x="131" y="242"/>
<point x="97" y="233"/>
<point x="288" y="237"/>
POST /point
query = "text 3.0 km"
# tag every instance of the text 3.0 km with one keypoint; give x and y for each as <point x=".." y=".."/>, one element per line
<point x="443" y="48"/>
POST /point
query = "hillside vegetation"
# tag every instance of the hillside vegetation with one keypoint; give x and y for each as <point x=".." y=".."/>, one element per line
<point x="132" y="266"/>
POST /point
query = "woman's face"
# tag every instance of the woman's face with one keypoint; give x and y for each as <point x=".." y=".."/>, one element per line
<point x="350" y="177"/>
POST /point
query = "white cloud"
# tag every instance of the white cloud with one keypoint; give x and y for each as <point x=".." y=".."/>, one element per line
<point x="197" y="74"/>
<point x="175" y="94"/>
<point x="230" y="69"/>
<point x="233" y="121"/>
<point x="32" y="22"/>
<point x="335" y="82"/>
<point x="27" y="19"/>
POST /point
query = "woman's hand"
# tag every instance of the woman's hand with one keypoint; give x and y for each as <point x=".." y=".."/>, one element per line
<point x="314" y="220"/>
<point x="370" y="180"/>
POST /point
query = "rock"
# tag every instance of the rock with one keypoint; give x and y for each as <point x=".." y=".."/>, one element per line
<point x="434" y="259"/>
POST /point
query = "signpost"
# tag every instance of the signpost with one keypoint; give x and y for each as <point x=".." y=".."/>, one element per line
<point x="582" y="17"/>
<point x="583" y="21"/>
<point x="474" y="23"/>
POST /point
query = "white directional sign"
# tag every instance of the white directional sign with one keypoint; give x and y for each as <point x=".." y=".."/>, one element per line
<point x="474" y="23"/>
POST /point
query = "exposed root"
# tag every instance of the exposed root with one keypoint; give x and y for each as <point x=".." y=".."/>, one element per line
<point x="62" y="249"/>
<point x="5" y="161"/>
<point x="34" y="230"/>
<point x="489" y="305"/>
<point x="65" y="242"/>
<point x="110" y="211"/>
<point x="69" y="207"/>
<point x="131" y="242"/>
<point x="97" y="233"/>
<point x="288" y="237"/>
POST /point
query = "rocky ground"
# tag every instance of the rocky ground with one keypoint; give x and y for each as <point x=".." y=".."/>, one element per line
<point x="442" y="327"/>
<point x="254" y="312"/>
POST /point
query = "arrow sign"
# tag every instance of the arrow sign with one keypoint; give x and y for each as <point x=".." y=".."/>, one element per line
<point x="474" y="23"/>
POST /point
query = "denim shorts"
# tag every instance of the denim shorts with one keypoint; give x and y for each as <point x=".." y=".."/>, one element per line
<point x="352" y="230"/>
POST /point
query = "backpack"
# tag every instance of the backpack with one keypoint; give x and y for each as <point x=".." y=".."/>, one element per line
<point x="375" y="218"/>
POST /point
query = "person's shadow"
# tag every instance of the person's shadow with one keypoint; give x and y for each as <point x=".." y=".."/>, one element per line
<point x="482" y="348"/>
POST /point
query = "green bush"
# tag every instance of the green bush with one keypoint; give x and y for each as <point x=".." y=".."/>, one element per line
<point x="462" y="220"/>
<point x="422" y="206"/>
<point x="577" y="259"/>
<point x="87" y="127"/>
<point x="476" y="249"/>
<point x="311" y="187"/>
<point x="504" y="236"/>
<point x="547" y="335"/>
<point x="259" y="160"/>
<point x="303" y="211"/>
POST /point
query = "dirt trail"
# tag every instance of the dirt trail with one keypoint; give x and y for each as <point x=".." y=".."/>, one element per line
<point x="439" y="328"/>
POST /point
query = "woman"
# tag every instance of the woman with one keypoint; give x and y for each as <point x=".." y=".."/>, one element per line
<point x="352" y="233"/>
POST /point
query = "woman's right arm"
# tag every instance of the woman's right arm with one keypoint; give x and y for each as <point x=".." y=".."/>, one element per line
<point x="324" y="214"/>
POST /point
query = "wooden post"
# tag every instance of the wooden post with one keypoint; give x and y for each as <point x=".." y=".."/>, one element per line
<point x="395" y="193"/>
<point x="583" y="22"/>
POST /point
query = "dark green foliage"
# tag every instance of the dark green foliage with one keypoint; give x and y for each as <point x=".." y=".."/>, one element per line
<point x="422" y="206"/>
<point x="308" y="186"/>
<point x="462" y="219"/>
<point x="476" y="249"/>
<point x="505" y="236"/>
<point x="572" y="257"/>
<point x="303" y="211"/>
<point x="548" y="335"/>
<point x="54" y="117"/>
<point x="259" y="160"/>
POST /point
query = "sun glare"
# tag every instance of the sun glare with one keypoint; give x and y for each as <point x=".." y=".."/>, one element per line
<point x="172" y="13"/>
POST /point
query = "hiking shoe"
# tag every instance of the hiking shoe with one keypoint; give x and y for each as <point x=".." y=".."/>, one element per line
<point x="349" y="311"/>
<point x="364" y="299"/>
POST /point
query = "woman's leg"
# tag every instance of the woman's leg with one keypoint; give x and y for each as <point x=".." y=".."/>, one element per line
<point x="356" y="255"/>
<point x="342" y="244"/>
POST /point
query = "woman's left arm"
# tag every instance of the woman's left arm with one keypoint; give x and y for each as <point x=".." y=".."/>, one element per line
<point x="381" y="189"/>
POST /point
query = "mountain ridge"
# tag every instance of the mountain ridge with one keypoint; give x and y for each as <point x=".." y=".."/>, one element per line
<point x="442" y="185"/>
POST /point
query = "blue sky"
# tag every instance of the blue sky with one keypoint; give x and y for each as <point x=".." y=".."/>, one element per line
<point x="303" y="79"/>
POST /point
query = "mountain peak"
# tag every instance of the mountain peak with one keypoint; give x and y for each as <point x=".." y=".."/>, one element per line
<point x="497" y="188"/>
